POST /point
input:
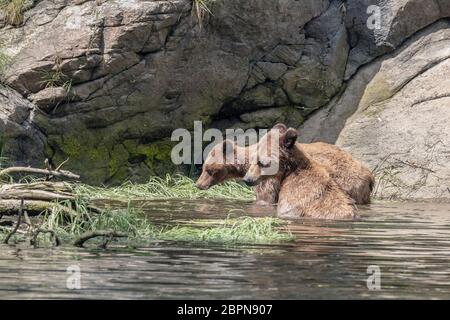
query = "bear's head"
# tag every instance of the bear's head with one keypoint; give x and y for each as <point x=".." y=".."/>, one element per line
<point x="217" y="168"/>
<point x="274" y="153"/>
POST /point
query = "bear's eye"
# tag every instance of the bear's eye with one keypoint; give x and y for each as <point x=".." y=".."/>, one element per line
<point x="209" y="172"/>
<point x="263" y="163"/>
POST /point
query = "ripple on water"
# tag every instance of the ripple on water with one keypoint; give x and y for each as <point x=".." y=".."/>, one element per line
<point x="410" y="242"/>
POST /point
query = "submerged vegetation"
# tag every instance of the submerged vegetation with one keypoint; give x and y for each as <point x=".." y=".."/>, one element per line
<point x="170" y="187"/>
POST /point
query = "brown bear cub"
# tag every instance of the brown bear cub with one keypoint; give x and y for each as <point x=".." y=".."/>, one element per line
<point x="307" y="188"/>
<point x="220" y="166"/>
<point x="355" y="179"/>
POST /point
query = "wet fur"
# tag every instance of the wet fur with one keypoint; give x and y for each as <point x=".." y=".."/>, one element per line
<point x="308" y="190"/>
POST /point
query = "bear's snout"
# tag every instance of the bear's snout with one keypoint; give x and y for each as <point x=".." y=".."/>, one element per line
<point x="249" y="181"/>
<point x="201" y="186"/>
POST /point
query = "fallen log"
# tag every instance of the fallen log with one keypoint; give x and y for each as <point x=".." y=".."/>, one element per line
<point x="33" y="207"/>
<point x="46" y="172"/>
<point x="38" y="196"/>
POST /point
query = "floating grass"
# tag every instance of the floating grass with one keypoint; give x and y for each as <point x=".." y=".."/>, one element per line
<point x="141" y="230"/>
<point x="170" y="187"/>
<point x="243" y="230"/>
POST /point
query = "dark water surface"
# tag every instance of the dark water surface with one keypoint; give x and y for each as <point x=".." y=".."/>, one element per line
<point x="409" y="242"/>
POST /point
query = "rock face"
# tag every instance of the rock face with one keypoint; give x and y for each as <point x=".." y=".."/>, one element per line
<point x="105" y="83"/>
<point x="394" y="115"/>
<point x="402" y="125"/>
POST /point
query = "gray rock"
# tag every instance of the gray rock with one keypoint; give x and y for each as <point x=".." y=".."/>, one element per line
<point x="104" y="83"/>
<point x="394" y="116"/>
<point x="21" y="142"/>
<point x="399" y="20"/>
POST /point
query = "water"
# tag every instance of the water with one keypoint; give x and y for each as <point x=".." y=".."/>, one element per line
<point x="409" y="242"/>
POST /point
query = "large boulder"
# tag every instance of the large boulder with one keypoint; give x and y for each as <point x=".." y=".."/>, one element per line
<point x="21" y="142"/>
<point x="105" y="82"/>
<point x="395" y="115"/>
<point x="133" y="71"/>
<point x="401" y="127"/>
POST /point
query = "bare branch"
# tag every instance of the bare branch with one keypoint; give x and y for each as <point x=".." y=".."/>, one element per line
<point x="98" y="233"/>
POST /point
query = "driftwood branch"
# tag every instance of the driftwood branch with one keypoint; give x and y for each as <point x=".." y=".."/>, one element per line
<point x="99" y="233"/>
<point x="46" y="172"/>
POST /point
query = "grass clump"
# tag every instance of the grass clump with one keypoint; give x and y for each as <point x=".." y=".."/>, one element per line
<point x="170" y="187"/>
<point x="242" y="230"/>
<point x="83" y="218"/>
<point x="56" y="78"/>
<point x="201" y="10"/>
<point x="13" y="11"/>
<point x="141" y="230"/>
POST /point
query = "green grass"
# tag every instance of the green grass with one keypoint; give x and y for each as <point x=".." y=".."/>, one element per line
<point x="56" y="78"/>
<point x="13" y="11"/>
<point x="170" y="187"/>
<point x="141" y="230"/>
<point x="243" y="230"/>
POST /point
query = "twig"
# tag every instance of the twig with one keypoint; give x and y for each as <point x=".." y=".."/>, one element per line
<point x="28" y="220"/>
<point x="99" y="233"/>
<point x="61" y="164"/>
<point x="19" y="220"/>
<point x="48" y="164"/>
<point x="61" y="173"/>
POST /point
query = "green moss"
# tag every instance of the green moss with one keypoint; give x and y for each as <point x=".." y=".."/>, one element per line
<point x="377" y="91"/>
<point x="156" y="156"/>
<point x="99" y="160"/>
<point x="71" y="146"/>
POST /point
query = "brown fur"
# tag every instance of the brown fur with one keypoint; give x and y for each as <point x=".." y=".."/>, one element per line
<point x="216" y="170"/>
<point x="351" y="176"/>
<point x="355" y="179"/>
<point x="307" y="188"/>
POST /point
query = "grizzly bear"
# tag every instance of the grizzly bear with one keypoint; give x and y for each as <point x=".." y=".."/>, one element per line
<point x="217" y="169"/>
<point x="355" y="179"/>
<point x="307" y="188"/>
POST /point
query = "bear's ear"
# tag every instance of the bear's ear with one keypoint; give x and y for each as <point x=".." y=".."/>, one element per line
<point x="228" y="147"/>
<point x="289" y="138"/>
<point x="281" y="127"/>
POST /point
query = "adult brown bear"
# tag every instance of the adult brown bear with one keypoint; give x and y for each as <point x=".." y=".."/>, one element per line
<point x="307" y="188"/>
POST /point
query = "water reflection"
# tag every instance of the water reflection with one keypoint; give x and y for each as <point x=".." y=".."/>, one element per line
<point x="410" y="242"/>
